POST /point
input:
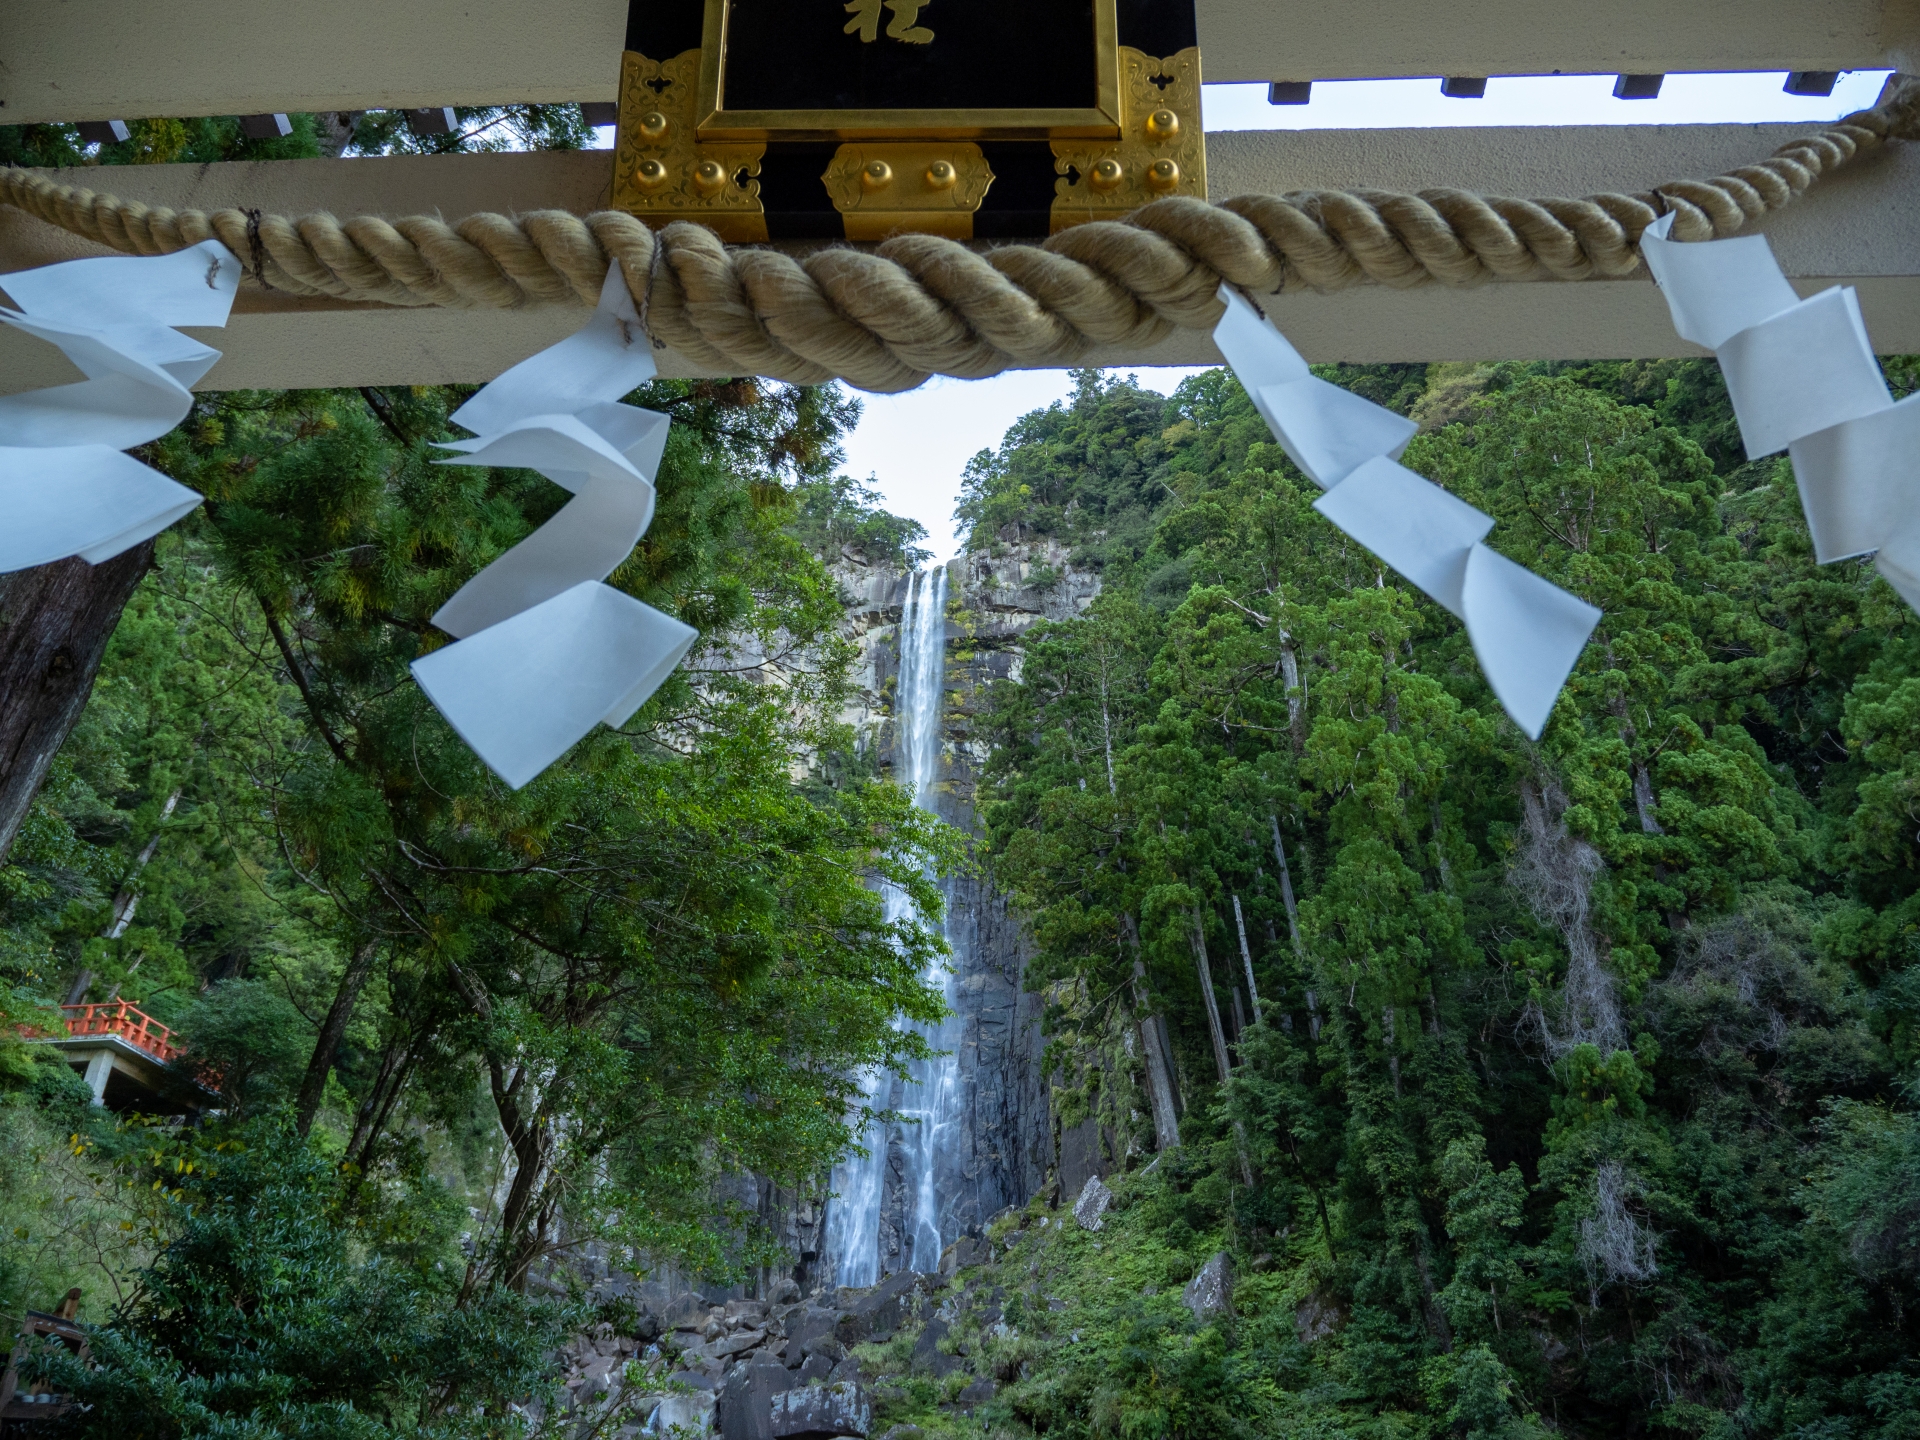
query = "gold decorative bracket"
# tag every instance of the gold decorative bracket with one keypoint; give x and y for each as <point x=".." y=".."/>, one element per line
<point x="1161" y="150"/>
<point x="927" y="187"/>
<point x="661" y="171"/>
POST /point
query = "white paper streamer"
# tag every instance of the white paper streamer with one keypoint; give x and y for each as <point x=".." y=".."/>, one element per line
<point x="65" y="488"/>
<point x="1803" y="378"/>
<point x="1526" y="632"/>
<point x="546" y="652"/>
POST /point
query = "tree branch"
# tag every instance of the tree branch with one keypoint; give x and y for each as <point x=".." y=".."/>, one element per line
<point x="304" y="685"/>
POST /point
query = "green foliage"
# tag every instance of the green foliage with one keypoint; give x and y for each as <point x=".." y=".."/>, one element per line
<point x="248" y="1038"/>
<point x="157" y="142"/>
<point x="664" y="927"/>
<point x="267" y="1312"/>
<point x="655" y="967"/>
<point x="576" y="1012"/>
<point x="1569" y="1104"/>
<point x="499" y="127"/>
<point x="837" y="515"/>
<point x="202" y="140"/>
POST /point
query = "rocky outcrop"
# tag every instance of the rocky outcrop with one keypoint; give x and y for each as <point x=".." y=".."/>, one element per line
<point x="1210" y="1293"/>
<point x="1090" y="1210"/>
<point x="742" y="1369"/>
<point x="818" y="1412"/>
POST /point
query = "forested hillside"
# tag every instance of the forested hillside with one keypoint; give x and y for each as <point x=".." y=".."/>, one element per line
<point x="452" y="1032"/>
<point x="1577" y="1094"/>
<point x="1446" y="1084"/>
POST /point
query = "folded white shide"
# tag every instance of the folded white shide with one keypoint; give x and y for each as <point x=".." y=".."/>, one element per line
<point x="545" y="651"/>
<point x="1802" y="377"/>
<point x="1526" y="632"/>
<point x="65" y="487"/>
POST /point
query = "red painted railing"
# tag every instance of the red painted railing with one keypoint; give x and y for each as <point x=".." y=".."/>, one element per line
<point x="117" y="1017"/>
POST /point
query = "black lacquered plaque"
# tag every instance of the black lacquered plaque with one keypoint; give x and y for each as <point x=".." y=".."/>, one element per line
<point x="909" y="55"/>
<point x="962" y="69"/>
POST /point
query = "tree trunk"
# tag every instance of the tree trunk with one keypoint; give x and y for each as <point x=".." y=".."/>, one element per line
<point x="531" y="1141"/>
<point x="1166" y="1122"/>
<point x="127" y="898"/>
<point x="1198" y="935"/>
<point x="1286" y="890"/>
<point x="1293" y="926"/>
<point x="1197" y="938"/>
<point x="332" y="1030"/>
<point x="1296" y="695"/>
<point x="1106" y="727"/>
<point x="1246" y="959"/>
<point x="55" y="621"/>
<point x="396" y="1064"/>
<point x="1173" y="1068"/>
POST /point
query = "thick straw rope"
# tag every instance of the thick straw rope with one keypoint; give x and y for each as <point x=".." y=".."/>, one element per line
<point x="885" y="319"/>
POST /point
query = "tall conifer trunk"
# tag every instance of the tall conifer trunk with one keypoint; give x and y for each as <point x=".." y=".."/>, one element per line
<point x="55" y="621"/>
<point x="332" y="1031"/>
<point x="1166" y="1120"/>
<point x="1196" y="937"/>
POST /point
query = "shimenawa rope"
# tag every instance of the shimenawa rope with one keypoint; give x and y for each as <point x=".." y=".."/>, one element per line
<point x="887" y="318"/>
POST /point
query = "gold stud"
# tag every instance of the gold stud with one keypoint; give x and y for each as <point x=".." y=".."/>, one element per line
<point x="1162" y="176"/>
<point x="1106" y="174"/>
<point x="651" y="174"/>
<point x="941" y="175"/>
<point x="709" y="177"/>
<point x="653" y="126"/>
<point x="876" y="175"/>
<point x="1162" y="125"/>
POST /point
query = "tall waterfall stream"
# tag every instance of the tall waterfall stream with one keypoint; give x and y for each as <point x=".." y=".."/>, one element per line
<point x="929" y="1102"/>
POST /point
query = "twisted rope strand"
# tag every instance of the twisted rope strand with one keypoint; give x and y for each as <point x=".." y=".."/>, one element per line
<point x="887" y="318"/>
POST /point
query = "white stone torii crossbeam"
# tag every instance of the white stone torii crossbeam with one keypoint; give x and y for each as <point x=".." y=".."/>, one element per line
<point x="101" y="59"/>
<point x="90" y="59"/>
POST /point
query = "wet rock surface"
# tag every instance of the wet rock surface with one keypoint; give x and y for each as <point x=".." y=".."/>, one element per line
<point x="774" y="1359"/>
<point x="741" y="1369"/>
<point x="1002" y="1155"/>
<point x="963" y="1353"/>
<point x="821" y="1412"/>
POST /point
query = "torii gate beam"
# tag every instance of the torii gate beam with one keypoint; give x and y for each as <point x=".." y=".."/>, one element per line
<point x="105" y="59"/>
<point x="1860" y="226"/>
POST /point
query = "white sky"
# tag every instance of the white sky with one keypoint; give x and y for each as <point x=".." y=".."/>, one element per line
<point x="912" y="447"/>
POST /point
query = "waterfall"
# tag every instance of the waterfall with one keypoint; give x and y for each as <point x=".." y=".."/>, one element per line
<point x="929" y="1101"/>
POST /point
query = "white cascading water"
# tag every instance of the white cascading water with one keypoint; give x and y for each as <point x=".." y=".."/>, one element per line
<point x="930" y="1100"/>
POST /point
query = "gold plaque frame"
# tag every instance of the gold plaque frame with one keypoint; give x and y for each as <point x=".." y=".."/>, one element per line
<point x="1102" y="122"/>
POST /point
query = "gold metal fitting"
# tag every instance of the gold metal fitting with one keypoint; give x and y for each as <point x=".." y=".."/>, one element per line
<point x="1160" y="148"/>
<point x="661" y="170"/>
<point x="918" y="187"/>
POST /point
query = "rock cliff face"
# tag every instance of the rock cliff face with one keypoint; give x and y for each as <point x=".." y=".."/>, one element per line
<point x="1008" y="1146"/>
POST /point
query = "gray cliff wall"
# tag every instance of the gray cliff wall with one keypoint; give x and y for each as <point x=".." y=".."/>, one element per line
<point x="1009" y="1145"/>
<point x="993" y="598"/>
